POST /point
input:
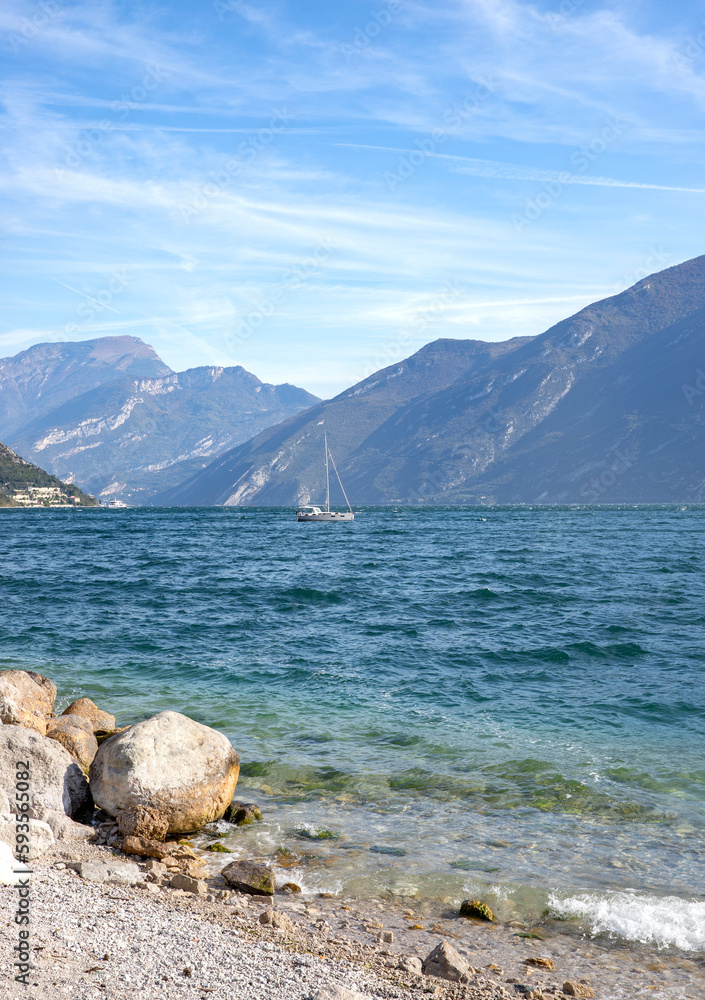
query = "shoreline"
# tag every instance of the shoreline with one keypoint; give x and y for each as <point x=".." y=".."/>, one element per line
<point x="356" y="944"/>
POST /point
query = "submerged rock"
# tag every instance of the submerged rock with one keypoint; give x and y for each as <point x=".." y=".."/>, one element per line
<point x="84" y="708"/>
<point x="242" y="813"/>
<point x="475" y="908"/>
<point x="26" y="699"/>
<point x="540" y="963"/>
<point x="444" y="962"/>
<point x="56" y="781"/>
<point x="257" y="880"/>
<point x="75" y="735"/>
<point x="573" y="989"/>
<point x="183" y="770"/>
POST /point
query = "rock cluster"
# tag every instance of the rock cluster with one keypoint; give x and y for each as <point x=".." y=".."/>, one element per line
<point x="165" y="776"/>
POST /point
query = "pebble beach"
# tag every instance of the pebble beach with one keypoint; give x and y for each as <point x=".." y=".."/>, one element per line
<point x="120" y="931"/>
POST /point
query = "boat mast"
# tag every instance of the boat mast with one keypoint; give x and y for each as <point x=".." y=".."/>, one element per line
<point x="325" y="445"/>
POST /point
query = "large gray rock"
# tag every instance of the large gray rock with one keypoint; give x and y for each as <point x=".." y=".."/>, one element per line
<point x="169" y="763"/>
<point x="40" y="836"/>
<point x="56" y="781"/>
<point x="26" y="699"/>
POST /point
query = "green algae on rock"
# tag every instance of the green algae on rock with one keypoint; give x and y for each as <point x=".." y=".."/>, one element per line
<point x="475" y="908"/>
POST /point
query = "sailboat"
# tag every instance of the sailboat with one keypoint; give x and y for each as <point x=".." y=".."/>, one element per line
<point x="311" y="513"/>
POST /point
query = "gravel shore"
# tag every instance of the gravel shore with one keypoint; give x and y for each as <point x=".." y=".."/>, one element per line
<point x="127" y="942"/>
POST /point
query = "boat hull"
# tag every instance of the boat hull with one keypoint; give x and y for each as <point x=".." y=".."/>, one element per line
<point x="326" y="516"/>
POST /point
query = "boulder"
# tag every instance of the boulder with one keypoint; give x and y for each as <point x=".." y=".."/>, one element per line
<point x="75" y="735"/>
<point x="257" y="880"/>
<point x="444" y="962"/>
<point x="143" y="822"/>
<point x="40" y="836"/>
<point x="26" y="699"/>
<point x="144" y="847"/>
<point x="62" y="826"/>
<point x="84" y="708"/>
<point x="171" y="764"/>
<point x="56" y="782"/>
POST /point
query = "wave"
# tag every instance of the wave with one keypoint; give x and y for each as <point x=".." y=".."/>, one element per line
<point x="664" y="921"/>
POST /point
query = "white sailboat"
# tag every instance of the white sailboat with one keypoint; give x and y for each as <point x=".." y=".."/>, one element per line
<point x="311" y="513"/>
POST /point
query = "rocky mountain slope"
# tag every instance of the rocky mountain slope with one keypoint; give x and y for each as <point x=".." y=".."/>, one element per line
<point x="24" y="484"/>
<point x="606" y="406"/>
<point x="110" y="415"/>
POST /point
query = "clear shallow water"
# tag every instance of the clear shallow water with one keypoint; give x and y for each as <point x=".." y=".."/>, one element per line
<point x="511" y="697"/>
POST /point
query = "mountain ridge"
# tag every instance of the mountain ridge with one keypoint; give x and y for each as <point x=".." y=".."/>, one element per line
<point x="109" y="414"/>
<point x="542" y="422"/>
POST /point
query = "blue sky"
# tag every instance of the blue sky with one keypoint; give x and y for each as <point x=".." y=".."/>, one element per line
<point x="315" y="190"/>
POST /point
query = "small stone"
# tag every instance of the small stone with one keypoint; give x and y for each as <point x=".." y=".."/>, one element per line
<point x="387" y="937"/>
<point x="540" y="963"/>
<point x="143" y="847"/>
<point x="188" y="884"/>
<point x="336" y="992"/>
<point x="475" y="908"/>
<point x="279" y="921"/>
<point x="290" y="888"/>
<point x="444" y="962"/>
<point x="257" y="880"/>
<point x="573" y="989"/>
<point x="412" y="965"/>
<point x="154" y="866"/>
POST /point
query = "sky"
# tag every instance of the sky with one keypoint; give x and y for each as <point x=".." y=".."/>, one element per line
<point x="315" y="191"/>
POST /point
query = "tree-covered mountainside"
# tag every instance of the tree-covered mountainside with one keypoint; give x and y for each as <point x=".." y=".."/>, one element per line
<point x="20" y="477"/>
<point x="606" y="406"/>
<point x="110" y="415"/>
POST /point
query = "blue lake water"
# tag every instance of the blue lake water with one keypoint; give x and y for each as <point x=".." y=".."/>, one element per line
<point x="497" y="702"/>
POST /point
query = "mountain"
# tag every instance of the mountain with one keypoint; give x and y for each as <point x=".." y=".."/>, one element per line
<point x="36" y="381"/>
<point x="24" y="484"/>
<point x="294" y="449"/>
<point x="606" y="406"/>
<point x="110" y="415"/>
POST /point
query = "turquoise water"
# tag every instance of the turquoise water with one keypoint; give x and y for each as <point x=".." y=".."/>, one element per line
<point x="505" y="702"/>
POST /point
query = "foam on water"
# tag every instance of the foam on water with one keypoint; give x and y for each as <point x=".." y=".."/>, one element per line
<point x="664" y="921"/>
